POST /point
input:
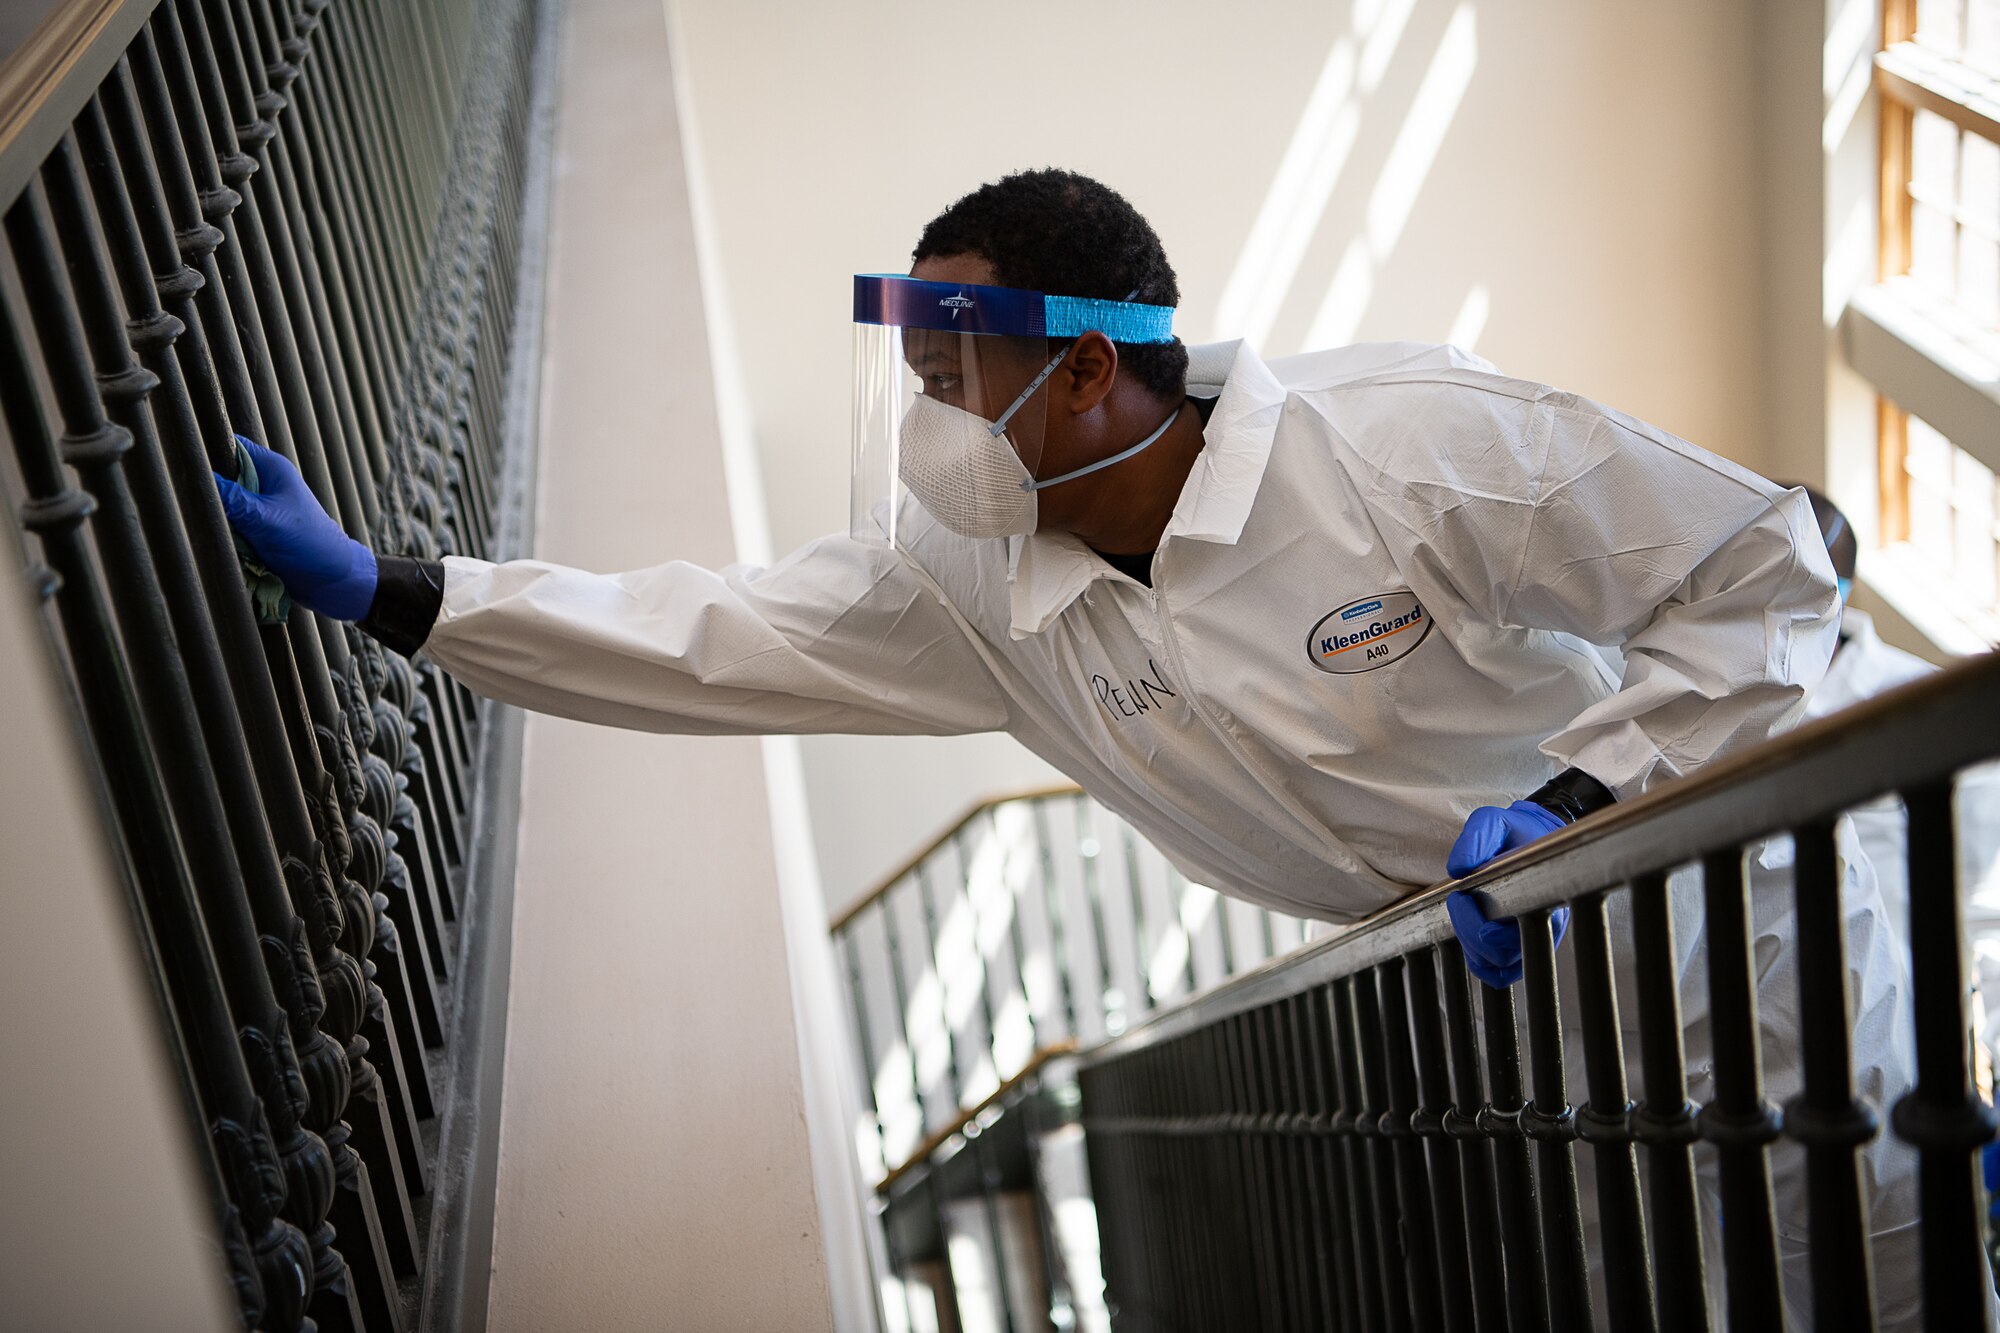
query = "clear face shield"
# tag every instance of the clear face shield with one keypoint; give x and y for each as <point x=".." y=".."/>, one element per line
<point x="949" y="400"/>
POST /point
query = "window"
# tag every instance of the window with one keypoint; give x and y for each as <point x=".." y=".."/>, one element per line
<point x="1930" y="336"/>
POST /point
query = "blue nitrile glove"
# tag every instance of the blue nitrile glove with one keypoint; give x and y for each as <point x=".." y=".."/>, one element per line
<point x="1493" y="947"/>
<point x="323" y="568"/>
<point x="1989" y="1169"/>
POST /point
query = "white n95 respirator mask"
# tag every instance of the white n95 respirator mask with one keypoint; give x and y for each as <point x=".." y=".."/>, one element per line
<point x="965" y="472"/>
<point x="948" y="408"/>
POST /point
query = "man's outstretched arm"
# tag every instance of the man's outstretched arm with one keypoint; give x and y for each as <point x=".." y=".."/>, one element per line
<point x="838" y="637"/>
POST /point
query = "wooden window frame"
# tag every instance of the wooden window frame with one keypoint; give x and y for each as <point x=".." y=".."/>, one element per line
<point x="1909" y="79"/>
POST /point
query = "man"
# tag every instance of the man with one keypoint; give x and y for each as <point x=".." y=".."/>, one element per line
<point x="1298" y="622"/>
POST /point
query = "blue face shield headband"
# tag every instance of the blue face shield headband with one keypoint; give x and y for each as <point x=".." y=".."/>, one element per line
<point x="967" y="470"/>
<point x="1009" y="312"/>
<point x="970" y="308"/>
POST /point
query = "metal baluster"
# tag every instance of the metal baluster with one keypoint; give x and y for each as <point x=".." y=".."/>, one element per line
<point x="1666" y="1122"/>
<point x="960" y="1095"/>
<point x="1825" y="1116"/>
<point x="1331" y="1141"/>
<point x="213" y="363"/>
<point x="900" y="990"/>
<point x="1550" y="1121"/>
<point x="1135" y="895"/>
<point x="1392" y="1037"/>
<point x="1308" y="1125"/>
<point x="1088" y="849"/>
<point x="1447" y="1187"/>
<point x="1375" y="1268"/>
<point x="231" y="853"/>
<point x="1262" y="1052"/>
<point x="1052" y="905"/>
<point x="305" y="351"/>
<point x="1371" y="1118"/>
<point x="1104" y="1105"/>
<point x="866" y="1050"/>
<point x="252" y="277"/>
<point x="1740" y="1122"/>
<point x="1229" y="1157"/>
<point x="1496" y="1295"/>
<point x="1942" y="1115"/>
<point x="1243" y="1111"/>
<point x="1015" y="939"/>
<point x="236" y="1128"/>
<point x="1605" y="1123"/>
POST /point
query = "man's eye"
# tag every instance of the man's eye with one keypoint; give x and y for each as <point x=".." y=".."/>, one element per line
<point x="942" y="383"/>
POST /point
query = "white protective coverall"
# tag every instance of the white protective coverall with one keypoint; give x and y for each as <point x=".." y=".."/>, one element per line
<point x="1864" y="667"/>
<point x="1470" y="536"/>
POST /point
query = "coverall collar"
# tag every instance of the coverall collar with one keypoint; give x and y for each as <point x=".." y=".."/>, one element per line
<point x="1048" y="571"/>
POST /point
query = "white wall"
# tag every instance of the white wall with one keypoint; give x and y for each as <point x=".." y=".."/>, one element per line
<point x="654" y="1169"/>
<point x="1582" y="174"/>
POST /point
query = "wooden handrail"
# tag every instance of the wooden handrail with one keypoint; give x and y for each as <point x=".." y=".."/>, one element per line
<point x="1915" y="734"/>
<point x="47" y="80"/>
<point x="888" y="882"/>
<point x="933" y="1142"/>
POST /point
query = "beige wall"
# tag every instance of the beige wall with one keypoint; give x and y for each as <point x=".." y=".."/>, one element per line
<point x="1574" y="188"/>
<point x="103" y="1220"/>
<point x="654" y="1169"/>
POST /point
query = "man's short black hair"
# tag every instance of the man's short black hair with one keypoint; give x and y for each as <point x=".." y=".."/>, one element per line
<point x="1063" y="234"/>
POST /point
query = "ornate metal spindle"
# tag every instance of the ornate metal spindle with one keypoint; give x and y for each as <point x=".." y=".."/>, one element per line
<point x="385" y="275"/>
<point x="348" y="284"/>
<point x="1942" y="1115"/>
<point x="1666" y="1122"/>
<point x="1475" y="1155"/>
<point x="369" y="156"/>
<point x="1391" y="1037"/>
<point x="1273" y="1111"/>
<point x="195" y="716"/>
<point x="1329" y="1145"/>
<point x="1447" y="1188"/>
<point x="1227" y="1170"/>
<point x="900" y="990"/>
<point x="304" y="299"/>
<point x="1605" y="1123"/>
<point x="1376" y="1119"/>
<point x="409" y="155"/>
<point x="1376" y="1268"/>
<point x="955" y="1066"/>
<point x="294" y="653"/>
<point x="1551" y="1122"/>
<point x="1825" y="1116"/>
<point x="303" y="253"/>
<point x="1242" y="1113"/>
<point x="1740" y="1122"/>
<point x="323" y="450"/>
<point x="327" y="1001"/>
<point x="1304" y="1096"/>
<point x="250" y="276"/>
<point x="1514" y="1177"/>
<point x="54" y="511"/>
<point x="1195" y="1161"/>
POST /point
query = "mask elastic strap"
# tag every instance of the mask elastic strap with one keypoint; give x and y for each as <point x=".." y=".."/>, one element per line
<point x="997" y="428"/>
<point x="1032" y="485"/>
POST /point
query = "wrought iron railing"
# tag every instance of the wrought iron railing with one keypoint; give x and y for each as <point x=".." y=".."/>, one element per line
<point x="1320" y="1144"/>
<point x="1036" y="923"/>
<point x="297" y="220"/>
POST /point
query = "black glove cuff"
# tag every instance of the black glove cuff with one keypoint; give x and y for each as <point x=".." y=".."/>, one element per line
<point x="409" y="593"/>
<point x="1572" y="794"/>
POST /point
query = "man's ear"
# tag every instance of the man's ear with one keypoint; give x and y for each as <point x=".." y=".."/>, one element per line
<point x="1088" y="372"/>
